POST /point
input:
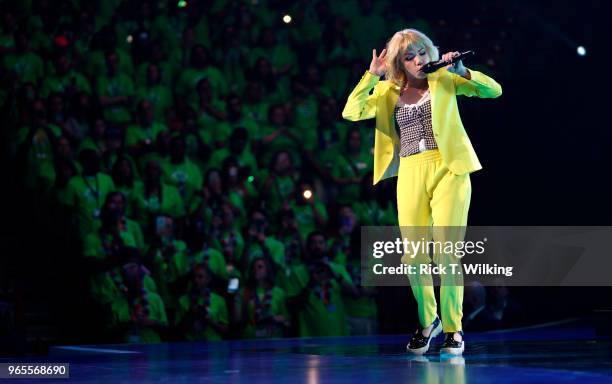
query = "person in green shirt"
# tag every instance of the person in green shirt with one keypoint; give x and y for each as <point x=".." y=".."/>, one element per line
<point x="310" y="212"/>
<point x="202" y="314"/>
<point x="139" y="313"/>
<point x="343" y="225"/>
<point x="289" y="235"/>
<point x="264" y="313"/>
<point x="316" y="291"/>
<point x="155" y="92"/>
<point x="278" y="135"/>
<point x="156" y="198"/>
<point x="169" y="260"/>
<point x="36" y="149"/>
<point x="127" y="182"/>
<point x="361" y="309"/>
<point x="214" y="260"/>
<point x="64" y="170"/>
<point x="117" y="239"/>
<point x="181" y="172"/>
<point x="228" y="239"/>
<point x="66" y="79"/>
<point x="115" y="90"/>
<point x="260" y="244"/>
<point x="140" y="137"/>
<point x="239" y="148"/>
<point x="97" y="137"/>
<point x="282" y="58"/>
<point x="352" y="164"/>
<point x="79" y="122"/>
<point x="87" y="192"/>
<point x="25" y="65"/>
<point x="375" y="205"/>
<point x="255" y="105"/>
<point x="200" y="68"/>
<point x="237" y="118"/>
<point x="213" y="127"/>
<point x="280" y="182"/>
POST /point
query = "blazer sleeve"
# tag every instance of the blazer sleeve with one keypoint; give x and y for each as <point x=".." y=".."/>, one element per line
<point x="361" y="105"/>
<point x="480" y="85"/>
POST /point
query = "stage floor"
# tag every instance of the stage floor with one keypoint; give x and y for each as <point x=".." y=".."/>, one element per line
<point x="555" y="353"/>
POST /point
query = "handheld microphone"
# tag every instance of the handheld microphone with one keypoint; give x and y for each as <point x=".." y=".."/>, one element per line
<point x="435" y="65"/>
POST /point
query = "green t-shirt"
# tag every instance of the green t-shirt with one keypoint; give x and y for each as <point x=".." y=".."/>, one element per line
<point x="281" y="189"/>
<point x="168" y="268"/>
<point x="64" y="83"/>
<point x="87" y="195"/>
<point x="323" y="313"/>
<point x="363" y="306"/>
<point x="189" y="79"/>
<point x="261" y="306"/>
<point x="147" y="207"/>
<point x="275" y="249"/>
<point x="151" y="302"/>
<point x="305" y="217"/>
<point x="27" y="66"/>
<point x="348" y="167"/>
<point x="40" y="170"/>
<point x="370" y="213"/>
<point x="159" y="96"/>
<point x="217" y="310"/>
<point x="131" y="196"/>
<point x="136" y="133"/>
<point x="185" y="176"/>
<point x="214" y="260"/>
<point x="118" y="85"/>
<point x="244" y="159"/>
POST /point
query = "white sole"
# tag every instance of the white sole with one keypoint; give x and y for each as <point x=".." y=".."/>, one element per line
<point x="454" y="351"/>
<point x="421" y="351"/>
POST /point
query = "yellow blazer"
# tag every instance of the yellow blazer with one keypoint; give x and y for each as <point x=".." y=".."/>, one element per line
<point x="453" y="143"/>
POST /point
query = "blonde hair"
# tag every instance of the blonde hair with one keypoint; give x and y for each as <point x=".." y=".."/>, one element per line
<point x="396" y="50"/>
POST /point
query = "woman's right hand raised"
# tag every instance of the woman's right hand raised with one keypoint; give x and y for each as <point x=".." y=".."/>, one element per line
<point x="378" y="66"/>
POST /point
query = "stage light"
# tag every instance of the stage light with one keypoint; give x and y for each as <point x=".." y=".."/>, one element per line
<point x="251" y="178"/>
<point x="129" y="39"/>
<point x="307" y="194"/>
<point x="182" y="4"/>
<point x="581" y="51"/>
<point x="286" y="19"/>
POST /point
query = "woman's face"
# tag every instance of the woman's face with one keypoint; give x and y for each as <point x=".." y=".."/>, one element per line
<point x="413" y="59"/>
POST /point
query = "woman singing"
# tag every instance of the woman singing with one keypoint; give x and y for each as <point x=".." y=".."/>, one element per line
<point x="420" y="139"/>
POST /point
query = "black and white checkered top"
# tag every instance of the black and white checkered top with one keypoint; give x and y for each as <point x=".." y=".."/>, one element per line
<point x="413" y="123"/>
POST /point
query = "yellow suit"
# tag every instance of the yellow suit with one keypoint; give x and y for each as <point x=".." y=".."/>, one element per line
<point x="453" y="142"/>
<point x="434" y="186"/>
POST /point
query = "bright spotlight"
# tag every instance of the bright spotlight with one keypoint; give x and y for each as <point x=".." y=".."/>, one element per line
<point x="286" y="19"/>
<point x="581" y="51"/>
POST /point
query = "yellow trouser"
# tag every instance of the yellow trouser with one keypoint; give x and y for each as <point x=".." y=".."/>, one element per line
<point x="429" y="194"/>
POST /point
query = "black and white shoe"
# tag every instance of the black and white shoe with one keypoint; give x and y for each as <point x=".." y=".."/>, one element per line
<point x="452" y="346"/>
<point x="419" y="344"/>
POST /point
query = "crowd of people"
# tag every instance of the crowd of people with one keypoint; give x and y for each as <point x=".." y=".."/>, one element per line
<point x="197" y="149"/>
<point x="213" y="189"/>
